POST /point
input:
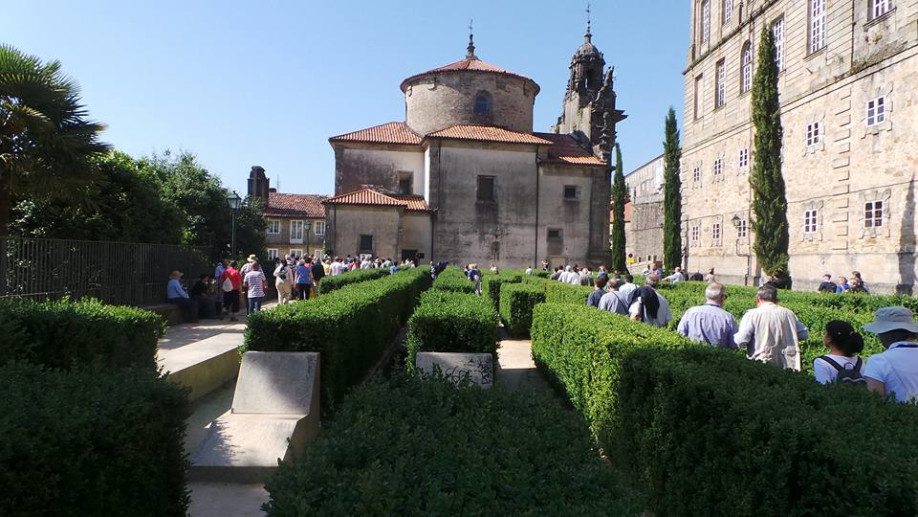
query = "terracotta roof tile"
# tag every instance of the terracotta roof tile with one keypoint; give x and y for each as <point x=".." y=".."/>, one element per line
<point x="369" y="197"/>
<point x="566" y="150"/>
<point x="295" y="205"/>
<point x="472" y="64"/>
<point x="487" y="134"/>
<point x="414" y="203"/>
<point x="389" y="133"/>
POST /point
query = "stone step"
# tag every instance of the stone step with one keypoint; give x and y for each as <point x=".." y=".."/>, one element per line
<point x="203" y="365"/>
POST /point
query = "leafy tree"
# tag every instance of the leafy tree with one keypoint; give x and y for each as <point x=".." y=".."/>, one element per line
<point x="619" y="194"/>
<point x="672" y="194"/>
<point x="45" y="139"/>
<point x="769" y="202"/>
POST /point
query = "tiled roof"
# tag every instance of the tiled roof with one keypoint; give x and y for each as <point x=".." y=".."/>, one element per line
<point x="487" y="134"/>
<point x="469" y="64"/>
<point x="369" y="197"/>
<point x="295" y="205"/>
<point x="414" y="203"/>
<point x="566" y="150"/>
<point x="389" y="133"/>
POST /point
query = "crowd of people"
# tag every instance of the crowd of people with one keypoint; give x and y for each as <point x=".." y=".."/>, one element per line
<point x="842" y="285"/>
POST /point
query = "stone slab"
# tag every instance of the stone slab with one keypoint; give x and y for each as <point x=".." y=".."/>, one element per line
<point x="277" y="383"/>
<point x="205" y="365"/>
<point x="477" y="368"/>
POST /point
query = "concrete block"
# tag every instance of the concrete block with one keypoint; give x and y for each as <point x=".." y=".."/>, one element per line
<point x="205" y="365"/>
<point x="477" y="368"/>
<point x="277" y="383"/>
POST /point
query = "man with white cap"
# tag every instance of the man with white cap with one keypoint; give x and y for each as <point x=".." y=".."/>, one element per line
<point x="894" y="371"/>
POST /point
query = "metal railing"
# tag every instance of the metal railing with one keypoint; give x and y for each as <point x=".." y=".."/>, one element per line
<point x="120" y="273"/>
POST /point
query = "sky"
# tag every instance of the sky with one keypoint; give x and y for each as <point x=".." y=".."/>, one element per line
<point x="267" y="83"/>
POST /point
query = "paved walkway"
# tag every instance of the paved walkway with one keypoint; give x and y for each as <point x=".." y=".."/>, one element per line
<point x="516" y="369"/>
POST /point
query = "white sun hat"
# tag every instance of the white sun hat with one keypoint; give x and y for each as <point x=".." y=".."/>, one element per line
<point x="892" y="318"/>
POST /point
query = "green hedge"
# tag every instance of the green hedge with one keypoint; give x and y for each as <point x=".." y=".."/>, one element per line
<point x="710" y="433"/>
<point x="451" y="322"/>
<point x="409" y="447"/>
<point x="453" y="280"/>
<point x="556" y="292"/>
<point x="516" y="304"/>
<point x="67" y="334"/>
<point x="333" y="283"/>
<point x="581" y="351"/>
<point x="91" y="443"/>
<point x="492" y="285"/>
<point x="350" y="327"/>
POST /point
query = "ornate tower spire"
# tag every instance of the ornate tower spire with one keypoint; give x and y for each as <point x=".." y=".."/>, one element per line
<point x="588" y="36"/>
<point x="470" y="50"/>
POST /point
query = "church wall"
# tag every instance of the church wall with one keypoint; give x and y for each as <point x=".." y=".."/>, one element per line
<point x="416" y="234"/>
<point x="358" y="168"/>
<point x="572" y="216"/>
<point x="350" y="222"/>
<point x="437" y="101"/>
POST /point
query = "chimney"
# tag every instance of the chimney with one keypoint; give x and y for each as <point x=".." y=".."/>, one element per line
<point x="259" y="184"/>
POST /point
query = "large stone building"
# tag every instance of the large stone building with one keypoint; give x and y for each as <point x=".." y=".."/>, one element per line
<point x="465" y="179"/>
<point x="848" y="72"/>
<point x="296" y="222"/>
<point x="644" y="231"/>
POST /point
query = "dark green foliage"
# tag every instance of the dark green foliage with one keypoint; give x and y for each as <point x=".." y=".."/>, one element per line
<point x="91" y="443"/>
<point x="619" y="197"/>
<point x="672" y="194"/>
<point x="65" y="334"/>
<point x="409" y="447"/>
<point x="350" y="327"/>
<point x="454" y="280"/>
<point x="333" y="283"/>
<point x="769" y="201"/>
<point x="492" y="285"/>
<point x="451" y="322"/>
<point x="765" y="441"/>
<point x="516" y="304"/>
<point x="556" y="292"/>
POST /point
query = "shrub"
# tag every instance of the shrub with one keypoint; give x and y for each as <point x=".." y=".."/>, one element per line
<point x="765" y="441"/>
<point x="333" y="283"/>
<point x="91" y="442"/>
<point x="453" y="280"/>
<point x="410" y="447"/>
<point x="556" y="292"/>
<point x="350" y="327"/>
<point x="451" y="322"/>
<point x="492" y="285"/>
<point x="516" y="304"/>
<point x="66" y="334"/>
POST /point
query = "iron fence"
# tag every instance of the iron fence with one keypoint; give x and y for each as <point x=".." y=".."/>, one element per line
<point x="120" y="273"/>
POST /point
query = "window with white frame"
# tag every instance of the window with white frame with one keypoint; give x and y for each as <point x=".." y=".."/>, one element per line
<point x="296" y="253"/>
<point x="273" y="226"/>
<point x="718" y="169"/>
<point x="876" y="111"/>
<point x="812" y="134"/>
<point x="715" y="233"/>
<point x="319" y="227"/>
<point x="744" y="158"/>
<point x="817" y="25"/>
<point x="726" y="12"/>
<point x="742" y="229"/>
<point x="696" y="234"/>
<point x="810" y="221"/>
<point x="272" y="253"/>
<point x="873" y="214"/>
<point x="746" y="83"/>
<point x="705" y="21"/>
<point x="720" y="87"/>
<point x="296" y="231"/>
<point x="777" y="29"/>
<point x="879" y="8"/>
<point x="696" y="174"/>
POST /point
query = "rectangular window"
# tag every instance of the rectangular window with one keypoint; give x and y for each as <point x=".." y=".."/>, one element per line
<point x="320" y="227"/>
<point x="273" y="227"/>
<point x="570" y="192"/>
<point x="696" y="234"/>
<point x="876" y="111"/>
<point x="812" y="134"/>
<point x="742" y="229"/>
<point x="554" y="234"/>
<point x="366" y="244"/>
<point x="715" y="232"/>
<point x="699" y="96"/>
<point x="809" y="221"/>
<point x="296" y="253"/>
<point x="726" y="12"/>
<point x="486" y="188"/>
<point x="718" y="169"/>
<point x="404" y="186"/>
<point x="744" y="158"/>
<point x="272" y="253"/>
<point x="296" y="231"/>
<point x="705" y="21"/>
<point x="747" y="68"/>
<point x="879" y="8"/>
<point x="720" y="87"/>
<point x="817" y="25"/>
<point x="873" y="214"/>
<point x="696" y="174"/>
<point x="777" y="29"/>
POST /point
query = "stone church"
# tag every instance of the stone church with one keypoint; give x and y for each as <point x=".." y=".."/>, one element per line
<point x="466" y="179"/>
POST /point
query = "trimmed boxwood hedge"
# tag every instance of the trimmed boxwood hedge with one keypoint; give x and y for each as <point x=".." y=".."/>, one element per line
<point x="90" y="442"/>
<point x="516" y="304"/>
<point x="556" y="292"/>
<point x="451" y="322"/>
<point x="454" y="280"/>
<point x="410" y="447"/>
<point x="492" y="285"/>
<point x="710" y="433"/>
<point x="350" y="327"/>
<point x="67" y="334"/>
<point x="333" y="283"/>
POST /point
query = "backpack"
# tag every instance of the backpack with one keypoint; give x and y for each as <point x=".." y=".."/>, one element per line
<point x="282" y="274"/>
<point x="848" y="376"/>
<point x="227" y="285"/>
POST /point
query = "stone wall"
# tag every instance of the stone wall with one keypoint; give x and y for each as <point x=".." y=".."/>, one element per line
<point x="348" y="223"/>
<point x="359" y="166"/>
<point x="644" y="235"/>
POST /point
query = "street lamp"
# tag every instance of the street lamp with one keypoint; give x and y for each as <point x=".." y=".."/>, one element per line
<point x="306" y="226"/>
<point x="234" y="203"/>
<point x="736" y="220"/>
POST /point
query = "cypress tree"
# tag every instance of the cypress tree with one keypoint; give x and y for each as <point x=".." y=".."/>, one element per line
<point x="672" y="194"/>
<point x="619" y="193"/>
<point x="769" y="202"/>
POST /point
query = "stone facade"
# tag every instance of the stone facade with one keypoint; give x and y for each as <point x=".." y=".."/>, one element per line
<point x="644" y="234"/>
<point x="849" y="154"/>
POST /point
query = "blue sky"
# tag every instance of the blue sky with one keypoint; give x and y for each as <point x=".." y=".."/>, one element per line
<point x="245" y="83"/>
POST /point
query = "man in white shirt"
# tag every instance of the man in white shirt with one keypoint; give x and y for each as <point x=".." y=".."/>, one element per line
<point x="677" y="276"/>
<point x="648" y="305"/>
<point x="771" y="333"/>
<point x="894" y="372"/>
<point x="628" y="286"/>
<point x="338" y="267"/>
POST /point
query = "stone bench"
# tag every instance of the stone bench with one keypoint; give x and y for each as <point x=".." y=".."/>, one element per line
<point x="275" y="414"/>
<point x="171" y="313"/>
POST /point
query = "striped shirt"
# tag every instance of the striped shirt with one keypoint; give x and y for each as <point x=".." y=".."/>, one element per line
<point x="255" y="281"/>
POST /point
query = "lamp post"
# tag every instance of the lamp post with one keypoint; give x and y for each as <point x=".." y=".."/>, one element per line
<point x="234" y="203"/>
<point x="306" y="226"/>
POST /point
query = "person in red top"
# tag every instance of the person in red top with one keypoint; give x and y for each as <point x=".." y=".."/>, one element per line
<point x="230" y="281"/>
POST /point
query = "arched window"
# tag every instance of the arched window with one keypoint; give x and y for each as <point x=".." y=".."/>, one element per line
<point x="746" y="83"/>
<point x="482" y="104"/>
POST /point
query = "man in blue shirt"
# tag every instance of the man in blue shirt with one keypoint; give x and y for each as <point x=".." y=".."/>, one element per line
<point x="175" y="294"/>
<point x="710" y="323"/>
<point x="596" y="295"/>
<point x="894" y="372"/>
